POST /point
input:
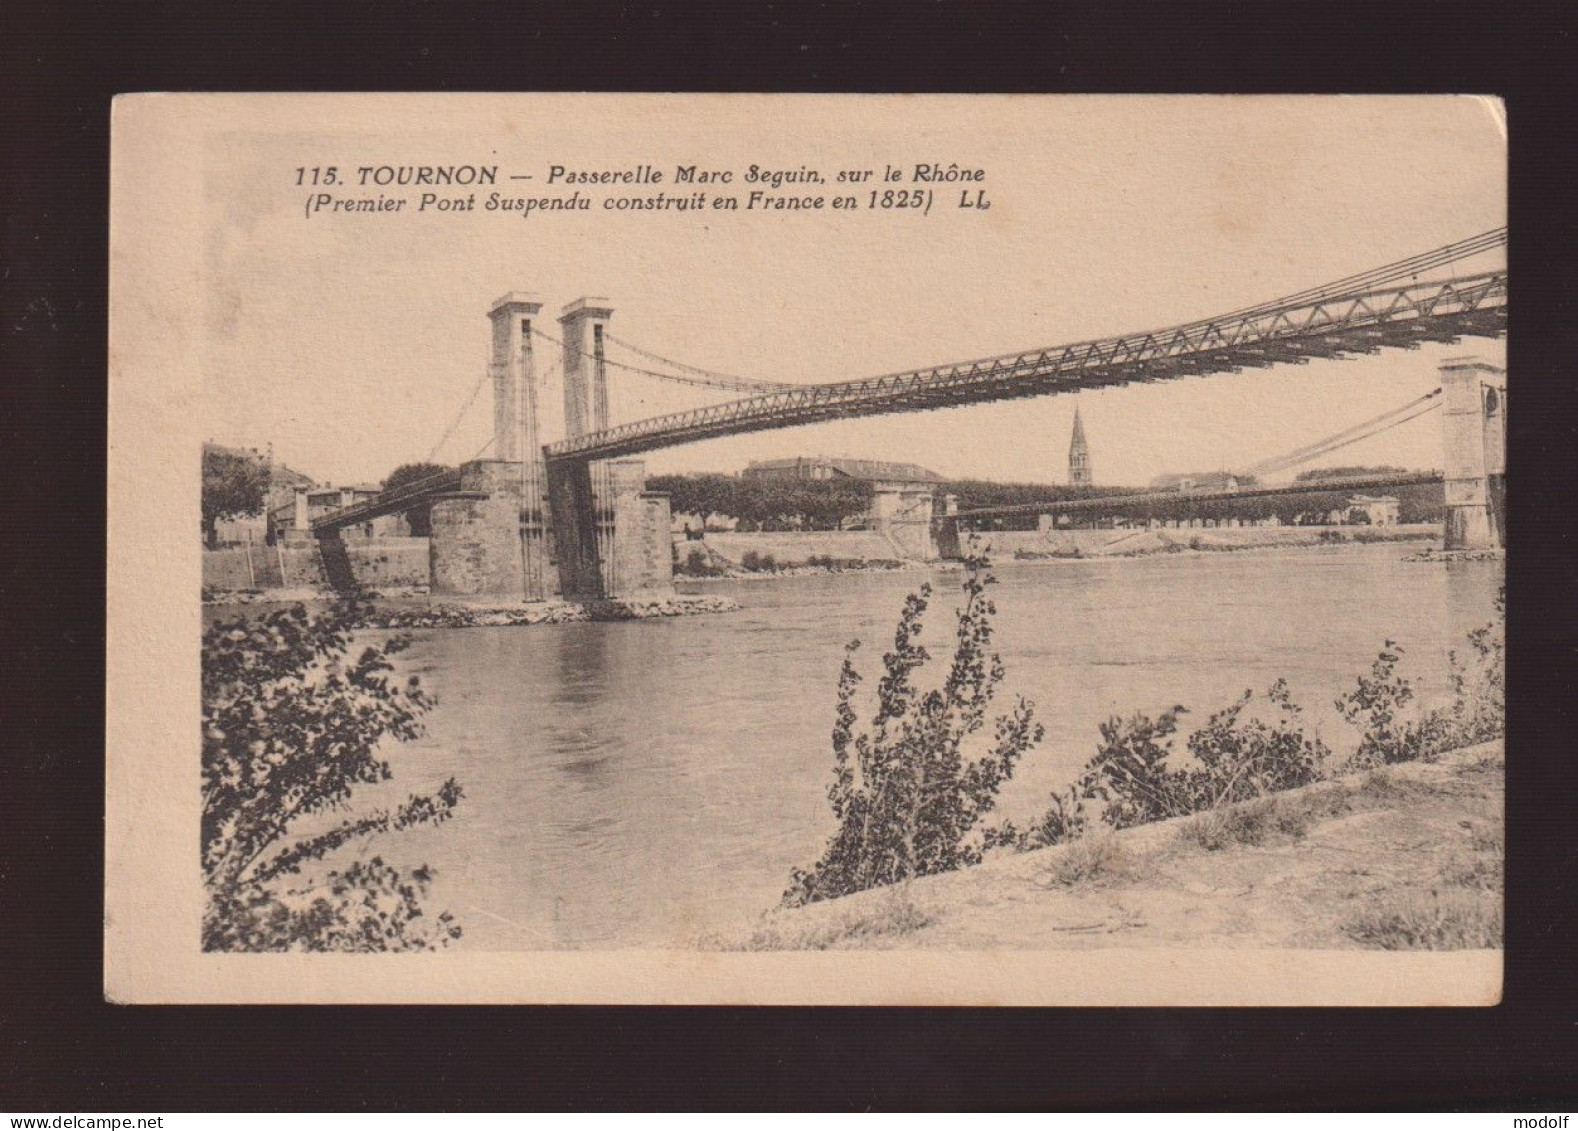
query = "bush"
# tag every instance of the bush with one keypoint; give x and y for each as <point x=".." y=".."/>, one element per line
<point x="1392" y="733"/>
<point x="876" y="923"/>
<point x="1378" y="706"/>
<point x="1479" y="696"/>
<point x="1247" y="758"/>
<point x="290" y="727"/>
<point x="698" y="563"/>
<point x="905" y="793"/>
<point x="752" y="562"/>
<point x="1133" y="773"/>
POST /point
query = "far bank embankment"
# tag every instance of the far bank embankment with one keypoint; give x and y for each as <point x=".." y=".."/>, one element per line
<point x="402" y="563"/>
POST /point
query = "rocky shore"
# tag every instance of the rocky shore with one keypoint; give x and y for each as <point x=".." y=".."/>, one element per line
<point x="544" y="612"/>
<point x="1458" y="556"/>
<point x="481" y="614"/>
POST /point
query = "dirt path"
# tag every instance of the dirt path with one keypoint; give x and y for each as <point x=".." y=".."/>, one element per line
<point x="1405" y="857"/>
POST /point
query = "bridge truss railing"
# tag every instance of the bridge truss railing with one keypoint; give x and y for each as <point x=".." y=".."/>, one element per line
<point x="1330" y="325"/>
<point x="383" y="504"/>
<point x="1120" y="502"/>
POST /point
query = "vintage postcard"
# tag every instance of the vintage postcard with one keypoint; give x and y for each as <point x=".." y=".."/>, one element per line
<point x="806" y="549"/>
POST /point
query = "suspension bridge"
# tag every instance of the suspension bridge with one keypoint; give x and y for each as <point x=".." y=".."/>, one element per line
<point x="557" y="508"/>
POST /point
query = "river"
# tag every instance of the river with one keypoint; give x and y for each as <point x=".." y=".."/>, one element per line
<point x="635" y="784"/>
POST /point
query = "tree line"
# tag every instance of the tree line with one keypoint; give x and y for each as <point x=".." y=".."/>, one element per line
<point x="1418" y="503"/>
<point x="235" y="484"/>
<point x="766" y="504"/>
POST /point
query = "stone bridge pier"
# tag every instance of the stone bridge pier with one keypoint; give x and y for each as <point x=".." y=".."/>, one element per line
<point x="520" y="528"/>
<point x="906" y="516"/>
<point x="1474" y="431"/>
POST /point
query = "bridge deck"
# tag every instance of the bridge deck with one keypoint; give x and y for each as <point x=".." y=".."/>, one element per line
<point x="1119" y="502"/>
<point x="401" y="500"/>
<point x="1328" y="327"/>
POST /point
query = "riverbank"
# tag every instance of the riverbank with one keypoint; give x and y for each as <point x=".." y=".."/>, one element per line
<point x="483" y="614"/>
<point x="525" y="613"/>
<point x="1406" y="857"/>
<point x="752" y="557"/>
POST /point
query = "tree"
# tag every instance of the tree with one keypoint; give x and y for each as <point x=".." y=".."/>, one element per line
<point x="905" y="792"/>
<point x="420" y="517"/>
<point x="290" y="726"/>
<point x="1350" y="472"/>
<point x="767" y="504"/>
<point x="234" y="484"/>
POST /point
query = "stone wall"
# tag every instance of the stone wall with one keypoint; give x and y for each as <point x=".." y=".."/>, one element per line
<point x="643" y="563"/>
<point x="378" y="564"/>
<point x="475" y="550"/>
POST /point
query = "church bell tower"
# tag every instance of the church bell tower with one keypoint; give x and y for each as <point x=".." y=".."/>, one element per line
<point x="1079" y="455"/>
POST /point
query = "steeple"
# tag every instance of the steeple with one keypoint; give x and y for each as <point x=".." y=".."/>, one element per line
<point x="1079" y="455"/>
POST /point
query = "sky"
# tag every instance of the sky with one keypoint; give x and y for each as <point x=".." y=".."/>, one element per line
<point x="352" y="342"/>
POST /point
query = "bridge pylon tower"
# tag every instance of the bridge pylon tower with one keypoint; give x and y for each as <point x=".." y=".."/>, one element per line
<point x="1473" y="421"/>
<point x="490" y="537"/>
<point x="582" y="498"/>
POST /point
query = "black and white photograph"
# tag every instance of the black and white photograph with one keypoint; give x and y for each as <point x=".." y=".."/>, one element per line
<point x="824" y="549"/>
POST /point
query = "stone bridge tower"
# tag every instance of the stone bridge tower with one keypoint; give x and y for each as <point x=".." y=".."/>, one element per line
<point x="490" y="538"/>
<point x="505" y="534"/>
<point x="1474" y="434"/>
<point x="609" y="519"/>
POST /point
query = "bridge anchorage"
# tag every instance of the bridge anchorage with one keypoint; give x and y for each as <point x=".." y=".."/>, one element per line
<point x="572" y="517"/>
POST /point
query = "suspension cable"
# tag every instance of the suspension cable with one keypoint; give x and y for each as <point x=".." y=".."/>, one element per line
<point x="1266" y="466"/>
<point x="1378" y="276"/>
<point x="1328" y="448"/>
<point x="705" y="376"/>
<point x="461" y="415"/>
<point x="700" y="381"/>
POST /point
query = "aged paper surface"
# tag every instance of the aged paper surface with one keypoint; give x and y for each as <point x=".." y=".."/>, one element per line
<point x="331" y="287"/>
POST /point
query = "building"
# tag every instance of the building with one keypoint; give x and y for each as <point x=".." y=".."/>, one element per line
<point x="254" y="529"/>
<point x="880" y="474"/>
<point x="1079" y="471"/>
<point x="293" y="508"/>
<point x="904" y="496"/>
<point x="1377" y="510"/>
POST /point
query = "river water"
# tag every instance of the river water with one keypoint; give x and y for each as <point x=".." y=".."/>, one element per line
<point x="635" y="784"/>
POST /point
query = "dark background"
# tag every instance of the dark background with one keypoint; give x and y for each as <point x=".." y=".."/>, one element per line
<point x="63" y="1050"/>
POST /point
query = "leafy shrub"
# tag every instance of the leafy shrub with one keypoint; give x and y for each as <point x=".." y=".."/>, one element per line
<point x="1130" y="771"/>
<point x="904" y="791"/>
<point x="1389" y="731"/>
<point x="752" y="562"/>
<point x="1247" y="758"/>
<point x="290" y="727"/>
<point x="1479" y="696"/>
<point x="1064" y="820"/>
<point x="1135" y="775"/>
